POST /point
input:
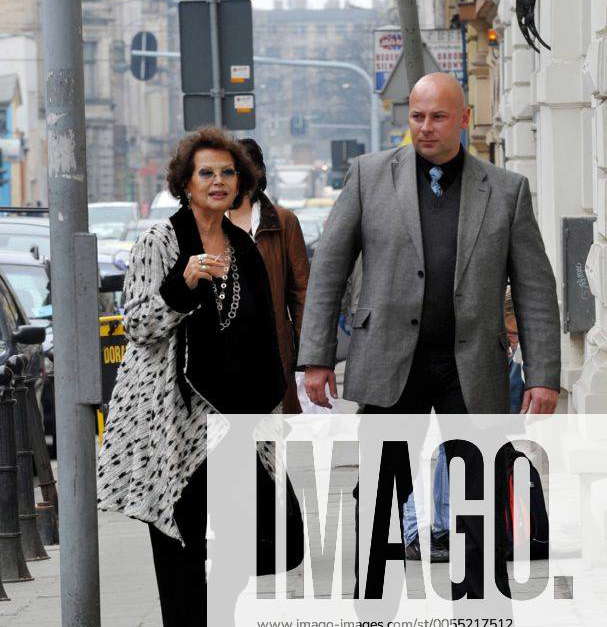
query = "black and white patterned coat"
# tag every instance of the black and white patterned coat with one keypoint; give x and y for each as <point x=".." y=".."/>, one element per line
<point x="152" y="444"/>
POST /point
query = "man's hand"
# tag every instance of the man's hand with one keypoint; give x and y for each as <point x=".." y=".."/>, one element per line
<point x="316" y="378"/>
<point x="539" y="401"/>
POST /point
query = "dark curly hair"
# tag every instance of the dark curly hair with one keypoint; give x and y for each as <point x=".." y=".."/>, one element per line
<point x="181" y="165"/>
<point x="256" y="154"/>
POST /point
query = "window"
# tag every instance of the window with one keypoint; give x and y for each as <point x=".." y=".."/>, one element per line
<point x="3" y="121"/>
<point x="32" y="285"/>
<point x="89" y="57"/>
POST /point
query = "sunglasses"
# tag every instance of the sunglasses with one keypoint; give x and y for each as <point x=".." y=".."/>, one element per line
<point x="225" y="173"/>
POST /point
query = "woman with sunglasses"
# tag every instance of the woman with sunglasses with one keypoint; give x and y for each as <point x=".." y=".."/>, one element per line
<point x="202" y="338"/>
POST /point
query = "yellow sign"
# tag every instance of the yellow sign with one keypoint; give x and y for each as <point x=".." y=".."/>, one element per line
<point x="113" y="346"/>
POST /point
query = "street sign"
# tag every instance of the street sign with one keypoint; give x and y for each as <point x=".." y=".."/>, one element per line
<point x="387" y="45"/>
<point x="235" y="47"/>
<point x="238" y="111"/>
<point x="444" y="44"/>
<point x="144" y="68"/>
<point x="446" y="47"/>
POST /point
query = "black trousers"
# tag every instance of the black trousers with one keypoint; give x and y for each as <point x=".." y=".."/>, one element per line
<point x="180" y="571"/>
<point x="434" y="383"/>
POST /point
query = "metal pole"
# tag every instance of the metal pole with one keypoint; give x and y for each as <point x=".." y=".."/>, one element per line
<point x="464" y="31"/>
<point x="339" y="65"/>
<point x="74" y="281"/>
<point x="12" y="559"/>
<point x="216" y="91"/>
<point x="30" y="536"/>
<point x="413" y="51"/>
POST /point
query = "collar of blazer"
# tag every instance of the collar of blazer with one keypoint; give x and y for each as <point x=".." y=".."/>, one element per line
<point x="474" y="197"/>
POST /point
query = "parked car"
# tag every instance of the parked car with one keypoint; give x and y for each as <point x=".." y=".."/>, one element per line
<point x="30" y="280"/>
<point x="163" y="206"/>
<point x="33" y="235"/>
<point x="133" y="230"/>
<point x="19" y="337"/>
<point x="108" y="219"/>
<point x="26" y="234"/>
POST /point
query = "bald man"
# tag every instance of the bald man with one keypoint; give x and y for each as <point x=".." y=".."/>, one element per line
<point x="441" y="234"/>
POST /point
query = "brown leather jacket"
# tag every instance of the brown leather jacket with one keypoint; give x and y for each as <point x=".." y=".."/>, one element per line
<point x="280" y="241"/>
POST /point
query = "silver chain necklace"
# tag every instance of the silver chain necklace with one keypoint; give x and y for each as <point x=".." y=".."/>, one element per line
<point x="220" y="295"/>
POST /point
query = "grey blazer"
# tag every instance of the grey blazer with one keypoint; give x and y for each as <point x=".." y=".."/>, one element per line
<point x="498" y="239"/>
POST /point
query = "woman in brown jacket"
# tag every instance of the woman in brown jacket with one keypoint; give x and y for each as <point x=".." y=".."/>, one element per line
<point x="279" y="239"/>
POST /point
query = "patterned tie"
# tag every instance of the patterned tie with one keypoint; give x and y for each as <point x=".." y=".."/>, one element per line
<point x="436" y="174"/>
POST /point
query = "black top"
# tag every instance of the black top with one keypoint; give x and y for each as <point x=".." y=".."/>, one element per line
<point x="439" y="218"/>
<point x="238" y="370"/>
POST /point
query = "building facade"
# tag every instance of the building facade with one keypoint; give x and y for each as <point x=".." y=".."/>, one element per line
<point x="131" y="124"/>
<point x="20" y="53"/>
<point x="548" y="123"/>
<point x="333" y="103"/>
<point x="10" y="168"/>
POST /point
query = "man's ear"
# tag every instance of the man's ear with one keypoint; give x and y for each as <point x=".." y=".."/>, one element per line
<point x="466" y="117"/>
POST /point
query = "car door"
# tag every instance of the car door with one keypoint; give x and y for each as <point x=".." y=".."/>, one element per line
<point x="12" y="318"/>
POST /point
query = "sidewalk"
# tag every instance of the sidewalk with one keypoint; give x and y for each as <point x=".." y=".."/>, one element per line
<point x="129" y="595"/>
<point x="128" y="584"/>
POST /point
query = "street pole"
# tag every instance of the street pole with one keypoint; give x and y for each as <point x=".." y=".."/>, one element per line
<point x="216" y="91"/>
<point x="413" y="51"/>
<point x="75" y="311"/>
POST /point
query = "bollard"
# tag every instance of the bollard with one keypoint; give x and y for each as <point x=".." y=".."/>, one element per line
<point x="33" y="548"/>
<point x="42" y="459"/>
<point x="47" y="523"/>
<point x="12" y="560"/>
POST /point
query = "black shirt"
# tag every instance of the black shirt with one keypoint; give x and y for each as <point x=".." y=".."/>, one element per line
<point x="238" y="370"/>
<point x="439" y="218"/>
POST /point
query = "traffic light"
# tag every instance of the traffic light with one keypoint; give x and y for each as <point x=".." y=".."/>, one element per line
<point x="4" y="173"/>
<point x="299" y="125"/>
<point x="342" y="153"/>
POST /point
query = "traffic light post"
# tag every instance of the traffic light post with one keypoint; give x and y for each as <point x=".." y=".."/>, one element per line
<point x="217" y="74"/>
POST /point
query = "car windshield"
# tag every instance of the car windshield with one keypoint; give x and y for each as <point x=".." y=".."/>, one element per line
<point x="25" y="242"/>
<point x="32" y="287"/>
<point x="111" y="214"/>
<point x="162" y="212"/>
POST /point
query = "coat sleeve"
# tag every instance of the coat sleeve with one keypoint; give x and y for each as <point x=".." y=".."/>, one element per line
<point x="534" y="297"/>
<point x="331" y="267"/>
<point x="298" y="270"/>
<point x="148" y="318"/>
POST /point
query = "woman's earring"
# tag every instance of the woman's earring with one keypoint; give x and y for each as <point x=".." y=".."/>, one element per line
<point x="188" y="195"/>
